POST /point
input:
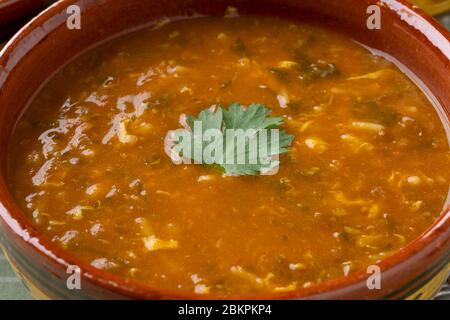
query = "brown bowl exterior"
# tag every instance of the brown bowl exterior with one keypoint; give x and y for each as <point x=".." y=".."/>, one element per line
<point x="11" y="10"/>
<point x="46" y="44"/>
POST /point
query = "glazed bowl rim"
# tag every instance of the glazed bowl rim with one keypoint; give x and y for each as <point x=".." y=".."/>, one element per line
<point x="19" y="224"/>
<point x="13" y="12"/>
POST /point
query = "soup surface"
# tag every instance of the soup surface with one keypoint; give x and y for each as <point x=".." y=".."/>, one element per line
<point x="364" y="175"/>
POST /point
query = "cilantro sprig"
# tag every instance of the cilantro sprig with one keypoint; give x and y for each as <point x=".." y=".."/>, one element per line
<point x="261" y="129"/>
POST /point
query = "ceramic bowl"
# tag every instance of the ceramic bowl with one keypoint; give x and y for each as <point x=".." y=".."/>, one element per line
<point x="11" y="10"/>
<point x="45" y="44"/>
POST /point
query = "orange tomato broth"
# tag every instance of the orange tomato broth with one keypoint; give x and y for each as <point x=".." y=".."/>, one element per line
<point x="364" y="176"/>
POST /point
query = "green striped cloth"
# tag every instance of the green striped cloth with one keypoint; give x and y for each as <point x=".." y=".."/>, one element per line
<point x="10" y="285"/>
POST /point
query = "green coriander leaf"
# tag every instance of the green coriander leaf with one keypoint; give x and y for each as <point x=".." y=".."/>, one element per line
<point x="244" y="141"/>
<point x="255" y="117"/>
<point x="208" y="118"/>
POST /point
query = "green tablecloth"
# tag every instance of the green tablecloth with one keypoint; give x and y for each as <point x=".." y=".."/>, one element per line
<point x="12" y="288"/>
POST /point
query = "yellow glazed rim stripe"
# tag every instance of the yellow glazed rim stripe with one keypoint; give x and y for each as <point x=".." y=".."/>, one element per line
<point x="431" y="288"/>
<point x="433" y="7"/>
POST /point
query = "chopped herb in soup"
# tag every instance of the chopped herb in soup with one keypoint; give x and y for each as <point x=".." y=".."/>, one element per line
<point x="363" y="172"/>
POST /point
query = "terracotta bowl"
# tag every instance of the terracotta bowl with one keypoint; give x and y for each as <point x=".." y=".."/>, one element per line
<point x="45" y="44"/>
<point x="11" y="10"/>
